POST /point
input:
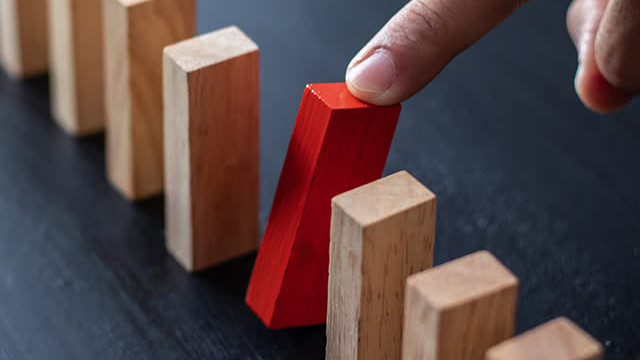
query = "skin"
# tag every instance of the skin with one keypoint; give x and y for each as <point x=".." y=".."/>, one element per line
<point x="425" y="35"/>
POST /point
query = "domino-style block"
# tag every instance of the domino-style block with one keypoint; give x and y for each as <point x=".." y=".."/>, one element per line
<point x="137" y="32"/>
<point x="381" y="233"/>
<point x="23" y="37"/>
<point x="338" y="143"/>
<point x="558" y="339"/>
<point x="458" y="310"/>
<point x="76" y="65"/>
<point x="212" y="160"/>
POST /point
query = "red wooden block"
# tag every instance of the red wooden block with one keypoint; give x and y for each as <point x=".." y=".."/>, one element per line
<point x="338" y="143"/>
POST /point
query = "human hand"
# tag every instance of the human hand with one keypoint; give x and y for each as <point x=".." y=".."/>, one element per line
<point x="423" y="37"/>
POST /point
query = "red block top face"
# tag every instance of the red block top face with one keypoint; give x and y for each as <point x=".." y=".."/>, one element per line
<point x="337" y="96"/>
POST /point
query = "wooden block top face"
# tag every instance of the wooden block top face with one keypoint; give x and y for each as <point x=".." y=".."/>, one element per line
<point x="463" y="280"/>
<point x="337" y="97"/>
<point x="559" y="339"/>
<point x="210" y="49"/>
<point x="383" y="198"/>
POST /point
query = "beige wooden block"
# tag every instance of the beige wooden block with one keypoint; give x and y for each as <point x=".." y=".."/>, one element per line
<point x="76" y="65"/>
<point x="558" y="339"/>
<point x="212" y="111"/>
<point x="137" y="32"/>
<point x="381" y="233"/>
<point x="23" y="37"/>
<point x="458" y="310"/>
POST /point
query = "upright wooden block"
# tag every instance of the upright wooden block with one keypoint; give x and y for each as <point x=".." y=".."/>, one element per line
<point x="137" y="32"/>
<point x="381" y="233"/>
<point x="212" y="112"/>
<point x="23" y="37"/>
<point x="338" y="143"/>
<point x="458" y="310"/>
<point x="76" y="69"/>
<point x="559" y="339"/>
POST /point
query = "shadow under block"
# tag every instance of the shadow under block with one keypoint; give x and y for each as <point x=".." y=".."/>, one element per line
<point x="458" y="310"/>
<point x="558" y="339"/>
<point x="137" y="33"/>
<point x="212" y="125"/>
<point x="76" y="65"/>
<point x="381" y="233"/>
<point x="23" y="37"/>
<point x="338" y="143"/>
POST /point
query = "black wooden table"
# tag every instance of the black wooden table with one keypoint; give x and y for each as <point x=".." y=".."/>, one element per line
<point x="519" y="166"/>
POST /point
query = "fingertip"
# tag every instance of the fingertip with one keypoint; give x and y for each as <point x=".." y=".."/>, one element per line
<point x="597" y="93"/>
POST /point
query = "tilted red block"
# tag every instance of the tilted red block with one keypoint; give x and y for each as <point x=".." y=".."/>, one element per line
<point x="338" y="143"/>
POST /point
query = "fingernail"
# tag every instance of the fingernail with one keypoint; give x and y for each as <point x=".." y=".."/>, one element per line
<point x="375" y="74"/>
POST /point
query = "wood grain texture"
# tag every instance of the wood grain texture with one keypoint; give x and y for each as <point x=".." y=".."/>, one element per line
<point x="458" y="310"/>
<point x="138" y="32"/>
<point x="23" y="37"/>
<point x="338" y="143"/>
<point x="76" y="65"/>
<point x="381" y="233"/>
<point x="212" y="160"/>
<point x="558" y="339"/>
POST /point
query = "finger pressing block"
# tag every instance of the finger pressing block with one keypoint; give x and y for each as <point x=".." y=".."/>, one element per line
<point x="381" y="233"/>
<point x="23" y="37"/>
<point x="338" y="143"/>
<point x="559" y="339"/>
<point x="136" y="33"/>
<point x="458" y="310"/>
<point x="76" y="65"/>
<point x="212" y="110"/>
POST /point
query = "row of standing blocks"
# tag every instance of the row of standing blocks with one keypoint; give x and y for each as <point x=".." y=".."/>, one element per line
<point x="340" y="246"/>
<point x="134" y="68"/>
<point x="387" y="302"/>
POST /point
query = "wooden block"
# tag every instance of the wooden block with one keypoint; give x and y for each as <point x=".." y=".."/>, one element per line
<point x="381" y="233"/>
<point x="458" y="310"/>
<point x="138" y="31"/>
<point x="559" y="339"/>
<point x="77" y="70"/>
<point x="23" y="37"/>
<point x="338" y="143"/>
<point x="212" y="112"/>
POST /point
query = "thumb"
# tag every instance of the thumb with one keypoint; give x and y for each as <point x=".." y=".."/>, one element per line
<point x="417" y="43"/>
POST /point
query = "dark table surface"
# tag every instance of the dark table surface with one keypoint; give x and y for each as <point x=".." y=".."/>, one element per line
<point x="519" y="166"/>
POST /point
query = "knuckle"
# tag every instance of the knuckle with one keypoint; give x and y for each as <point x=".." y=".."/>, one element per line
<point x="441" y="20"/>
<point x="434" y="29"/>
<point x="424" y="11"/>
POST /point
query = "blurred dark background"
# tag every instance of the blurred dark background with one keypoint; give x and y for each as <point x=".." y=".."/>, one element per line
<point x="519" y="167"/>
